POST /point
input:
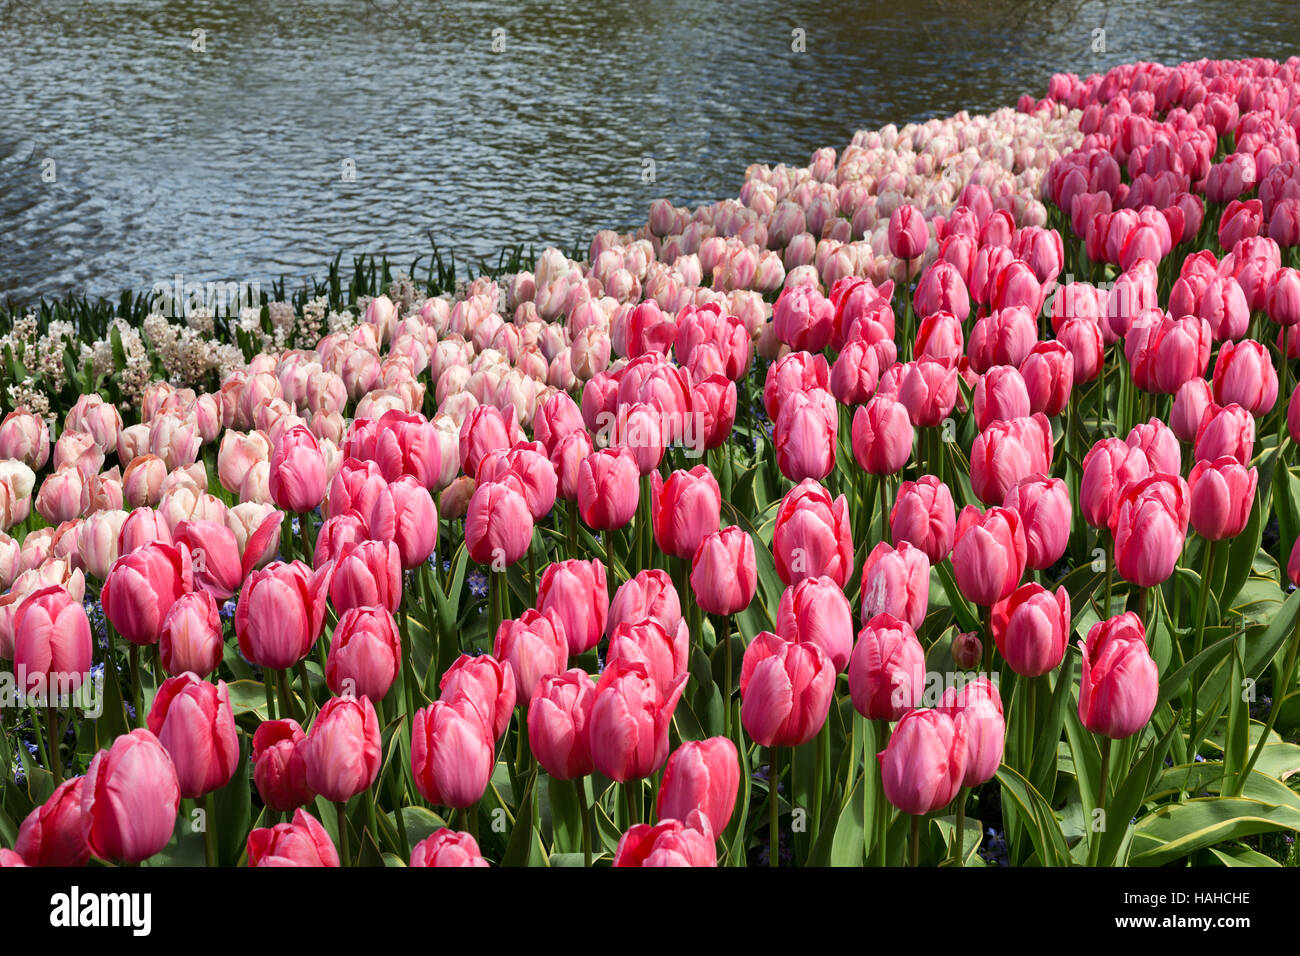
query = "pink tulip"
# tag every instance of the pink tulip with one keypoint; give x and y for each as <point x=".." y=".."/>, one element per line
<point x="887" y="669"/>
<point x="607" y="489"/>
<point x="534" y="646"/>
<point x="558" y="718"/>
<point x="129" y="799"/>
<point x="343" y="749"/>
<point x="297" y="476"/>
<point x="923" y="515"/>
<point x="577" y="593"/>
<point x="445" y="847"/>
<point x="923" y="765"/>
<point x="669" y="843"/>
<point x="1117" y="692"/>
<point x="498" y="525"/>
<point x="485" y="684"/>
<point x="882" y="436"/>
<point x="52" y="646"/>
<point x="724" y="571"/>
<point x="628" y="726"/>
<point x="1031" y="628"/>
<point x="704" y="776"/>
<point x="1149" y="525"/>
<point x="896" y="581"/>
<point x="141" y="588"/>
<point x="785" y="690"/>
<point x="1110" y="466"/>
<point x="365" y="653"/>
<point x="988" y="559"/>
<point x="52" y="834"/>
<point x="280" y="613"/>
<point x="684" y="509"/>
<point x="1221" y="495"/>
<point x="1044" y="506"/>
<point x="976" y="710"/>
<point x="365" y="575"/>
<point x="812" y="535"/>
<point x="194" y="722"/>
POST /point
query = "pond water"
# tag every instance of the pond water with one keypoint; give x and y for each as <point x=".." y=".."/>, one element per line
<point x="285" y="132"/>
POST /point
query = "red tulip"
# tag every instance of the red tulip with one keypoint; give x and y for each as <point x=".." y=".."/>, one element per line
<point x="280" y="766"/>
<point x="304" y="842"/>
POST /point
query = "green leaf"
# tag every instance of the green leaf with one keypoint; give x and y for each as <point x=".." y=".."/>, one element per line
<point x="1174" y="831"/>
<point x="1039" y="820"/>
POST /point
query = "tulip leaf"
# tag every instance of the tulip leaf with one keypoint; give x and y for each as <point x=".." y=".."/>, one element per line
<point x="1238" y="854"/>
<point x="1174" y="831"/>
<point x="1173" y="684"/>
<point x="1038" y="818"/>
<point x="1043" y="772"/>
<point x="233" y="807"/>
<point x="848" y="844"/>
<point x="420" y="822"/>
<point x="1241" y="552"/>
<point x="972" y="837"/>
<point x="566" y="821"/>
<point x="967" y="619"/>
<point x="1129" y="797"/>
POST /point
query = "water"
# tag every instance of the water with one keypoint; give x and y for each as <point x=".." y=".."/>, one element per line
<point x="229" y="164"/>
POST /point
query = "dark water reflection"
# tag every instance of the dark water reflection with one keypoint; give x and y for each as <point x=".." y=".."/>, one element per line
<point x="228" y="164"/>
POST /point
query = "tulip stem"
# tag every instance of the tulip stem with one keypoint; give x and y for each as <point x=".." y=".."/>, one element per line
<point x="56" y="758"/>
<point x="110" y="665"/>
<point x="494" y="602"/>
<point x="580" y="785"/>
<point x="916" y="842"/>
<point x="1110" y="571"/>
<point x="308" y="702"/>
<point x="287" y="707"/>
<point x="773" y="807"/>
<point x="40" y="738"/>
<point x="136" y="693"/>
<point x="1202" y="604"/>
<point x="270" y="694"/>
<point x="960" y="840"/>
<point x="727" y="688"/>
<point x="1094" y="840"/>
<point x="308" y="552"/>
<point x="210" y="829"/>
<point x="342" y="809"/>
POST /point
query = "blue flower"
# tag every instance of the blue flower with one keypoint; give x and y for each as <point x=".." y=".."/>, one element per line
<point x="478" y="583"/>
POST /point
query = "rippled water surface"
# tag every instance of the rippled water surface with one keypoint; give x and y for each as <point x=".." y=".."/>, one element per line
<point x="482" y="124"/>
